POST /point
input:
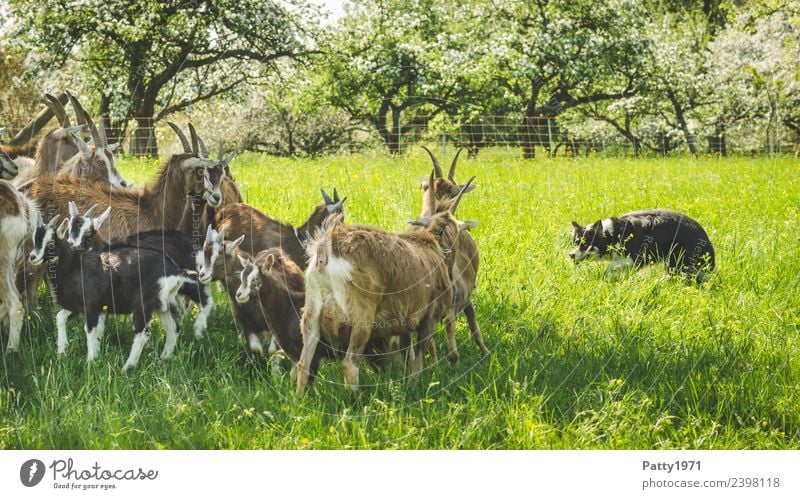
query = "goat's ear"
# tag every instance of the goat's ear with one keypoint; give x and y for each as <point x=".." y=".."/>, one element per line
<point x="576" y="227"/>
<point x="423" y="183"/>
<point x="423" y="221"/>
<point x="230" y="246"/>
<point x="267" y="264"/>
<point x="62" y="229"/>
<point x="73" y="209"/>
<point x="467" y="224"/>
<point x="98" y="222"/>
<point x="113" y="147"/>
<point x="243" y="261"/>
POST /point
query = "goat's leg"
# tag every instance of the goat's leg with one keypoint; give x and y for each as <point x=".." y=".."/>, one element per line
<point x="62" y="317"/>
<point x="206" y="306"/>
<point x="309" y="328"/>
<point x="254" y="343"/>
<point x="14" y="309"/>
<point x="358" y="341"/>
<point x="101" y="325"/>
<point x="425" y="332"/>
<point x="140" y="339"/>
<point x="477" y="337"/>
<point x="92" y="338"/>
<point x="450" y="331"/>
<point x="165" y="316"/>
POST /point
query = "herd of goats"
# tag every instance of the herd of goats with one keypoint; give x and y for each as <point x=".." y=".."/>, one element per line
<point x="322" y="289"/>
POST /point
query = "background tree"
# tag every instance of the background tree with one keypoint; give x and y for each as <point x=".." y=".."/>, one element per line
<point x="152" y="58"/>
<point x="394" y="57"/>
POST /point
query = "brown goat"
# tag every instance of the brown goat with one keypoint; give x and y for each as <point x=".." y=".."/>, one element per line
<point x="52" y="150"/>
<point x="385" y="284"/>
<point x="159" y="205"/>
<point x="219" y="261"/>
<point x="18" y="217"/>
<point x="197" y="214"/>
<point x="465" y="265"/>
<point x="275" y="284"/>
<point x="264" y="232"/>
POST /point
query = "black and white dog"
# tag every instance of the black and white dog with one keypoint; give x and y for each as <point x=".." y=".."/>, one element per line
<point x="642" y="237"/>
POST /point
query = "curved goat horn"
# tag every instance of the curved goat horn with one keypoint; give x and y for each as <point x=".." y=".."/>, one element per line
<point x="99" y="140"/>
<point x="460" y="193"/>
<point x="73" y="209"/>
<point x="429" y="192"/>
<point x="220" y="151"/>
<point x="193" y="135"/>
<point x="181" y="136"/>
<point x="452" y="173"/>
<point x="203" y="150"/>
<point x="58" y="110"/>
<point x="436" y="167"/>
<point x="80" y="113"/>
<point x="210" y="234"/>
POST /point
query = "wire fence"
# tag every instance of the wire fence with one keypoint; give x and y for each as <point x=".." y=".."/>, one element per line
<point x="533" y="135"/>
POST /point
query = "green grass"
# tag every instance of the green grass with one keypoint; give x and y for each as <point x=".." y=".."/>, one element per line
<point x="578" y="361"/>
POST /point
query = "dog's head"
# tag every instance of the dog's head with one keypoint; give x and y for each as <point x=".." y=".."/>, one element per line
<point x="590" y="242"/>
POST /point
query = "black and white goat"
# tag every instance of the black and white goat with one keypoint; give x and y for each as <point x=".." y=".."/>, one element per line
<point x="120" y="280"/>
<point x="177" y="246"/>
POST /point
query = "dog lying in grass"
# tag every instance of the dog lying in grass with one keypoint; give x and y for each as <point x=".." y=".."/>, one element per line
<point x="644" y="237"/>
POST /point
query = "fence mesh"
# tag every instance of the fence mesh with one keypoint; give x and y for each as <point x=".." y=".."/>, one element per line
<point x="534" y="135"/>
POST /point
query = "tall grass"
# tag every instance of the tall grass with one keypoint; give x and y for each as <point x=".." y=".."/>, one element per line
<point x="578" y="361"/>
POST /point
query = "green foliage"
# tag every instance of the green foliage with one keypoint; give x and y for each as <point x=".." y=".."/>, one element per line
<point x="643" y="361"/>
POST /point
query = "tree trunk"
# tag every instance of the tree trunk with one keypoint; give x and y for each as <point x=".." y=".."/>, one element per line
<point x="716" y="142"/>
<point x="394" y="134"/>
<point x="679" y="115"/>
<point x="115" y="129"/>
<point x="143" y="141"/>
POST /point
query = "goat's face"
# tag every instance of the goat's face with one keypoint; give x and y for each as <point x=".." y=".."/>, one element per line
<point x="589" y="242"/>
<point x="97" y="163"/>
<point x="209" y="258"/>
<point x="44" y="237"/>
<point x="83" y="228"/>
<point x="250" y="280"/>
<point x="204" y="177"/>
<point x="444" y="188"/>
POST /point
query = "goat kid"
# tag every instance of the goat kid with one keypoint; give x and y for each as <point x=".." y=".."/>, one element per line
<point x="82" y="235"/>
<point x="385" y="284"/>
<point x="221" y="260"/>
<point x="121" y="280"/>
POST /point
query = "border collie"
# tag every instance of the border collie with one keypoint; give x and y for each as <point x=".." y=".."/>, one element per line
<point x="643" y="237"/>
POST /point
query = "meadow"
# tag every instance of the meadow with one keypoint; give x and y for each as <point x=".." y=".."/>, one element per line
<point x="579" y="361"/>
